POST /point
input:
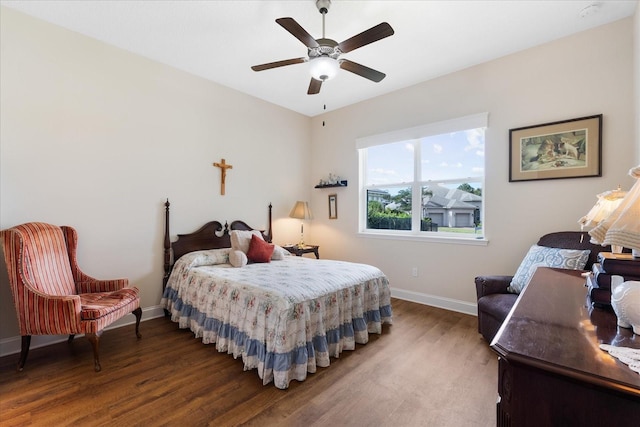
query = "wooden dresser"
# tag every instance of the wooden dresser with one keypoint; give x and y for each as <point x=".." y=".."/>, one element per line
<point x="551" y="371"/>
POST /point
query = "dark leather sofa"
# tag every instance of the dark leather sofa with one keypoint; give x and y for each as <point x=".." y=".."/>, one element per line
<point x="495" y="302"/>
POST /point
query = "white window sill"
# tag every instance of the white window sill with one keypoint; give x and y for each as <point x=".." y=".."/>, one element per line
<point x="482" y="241"/>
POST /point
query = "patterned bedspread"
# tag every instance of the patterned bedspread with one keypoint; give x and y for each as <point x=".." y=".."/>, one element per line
<point x="284" y="318"/>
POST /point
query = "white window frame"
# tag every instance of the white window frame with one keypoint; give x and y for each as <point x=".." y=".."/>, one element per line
<point x="414" y="135"/>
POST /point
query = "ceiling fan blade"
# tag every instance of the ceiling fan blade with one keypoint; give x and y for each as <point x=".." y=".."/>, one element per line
<point x="314" y="86"/>
<point x="361" y="70"/>
<point x="297" y="31"/>
<point x="371" y="35"/>
<point x="277" y="64"/>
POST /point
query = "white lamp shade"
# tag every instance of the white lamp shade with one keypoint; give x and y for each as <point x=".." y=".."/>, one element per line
<point x="323" y="68"/>
<point x="622" y="227"/>
<point x="606" y="204"/>
<point x="301" y="210"/>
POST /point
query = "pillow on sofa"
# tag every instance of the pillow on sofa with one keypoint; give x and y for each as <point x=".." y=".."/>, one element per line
<point x="259" y="250"/>
<point x="542" y="256"/>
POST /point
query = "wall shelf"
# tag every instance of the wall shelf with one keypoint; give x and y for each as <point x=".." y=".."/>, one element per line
<point x="342" y="183"/>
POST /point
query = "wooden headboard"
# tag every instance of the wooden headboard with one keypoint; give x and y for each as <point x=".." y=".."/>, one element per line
<point x="212" y="235"/>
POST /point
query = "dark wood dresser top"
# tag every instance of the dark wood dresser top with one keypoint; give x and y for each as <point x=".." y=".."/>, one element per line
<point x="553" y="327"/>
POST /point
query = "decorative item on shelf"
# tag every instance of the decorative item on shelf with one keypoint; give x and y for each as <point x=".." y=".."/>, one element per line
<point x="625" y="300"/>
<point x="606" y="204"/>
<point x="332" y="181"/>
<point x="622" y="226"/>
<point x="301" y="211"/>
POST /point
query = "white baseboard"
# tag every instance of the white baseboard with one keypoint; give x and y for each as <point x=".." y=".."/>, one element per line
<point x="12" y="345"/>
<point x="432" y="300"/>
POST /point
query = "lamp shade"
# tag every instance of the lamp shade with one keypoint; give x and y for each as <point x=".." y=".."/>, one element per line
<point x="606" y="204"/>
<point x="301" y="210"/>
<point x="622" y="227"/>
<point x="324" y="68"/>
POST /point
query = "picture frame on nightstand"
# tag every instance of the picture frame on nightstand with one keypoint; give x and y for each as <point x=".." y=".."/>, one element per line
<point x="333" y="206"/>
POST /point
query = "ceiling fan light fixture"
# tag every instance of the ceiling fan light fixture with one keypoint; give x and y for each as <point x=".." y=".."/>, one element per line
<point x="323" y="54"/>
<point x="324" y="68"/>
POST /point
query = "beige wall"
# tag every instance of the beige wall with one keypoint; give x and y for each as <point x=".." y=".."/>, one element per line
<point x="96" y="137"/>
<point x="585" y="74"/>
<point x="636" y="76"/>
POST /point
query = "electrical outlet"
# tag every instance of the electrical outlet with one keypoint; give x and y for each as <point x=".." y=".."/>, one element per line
<point x="414" y="271"/>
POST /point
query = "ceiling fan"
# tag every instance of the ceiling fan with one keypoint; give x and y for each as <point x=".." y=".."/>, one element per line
<point x="324" y="54"/>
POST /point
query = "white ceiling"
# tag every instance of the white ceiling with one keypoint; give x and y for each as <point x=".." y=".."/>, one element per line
<point x="220" y="40"/>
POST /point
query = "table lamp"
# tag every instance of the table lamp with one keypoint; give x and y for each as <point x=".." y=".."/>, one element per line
<point x="606" y="204"/>
<point x="622" y="226"/>
<point x="301" y="211"/>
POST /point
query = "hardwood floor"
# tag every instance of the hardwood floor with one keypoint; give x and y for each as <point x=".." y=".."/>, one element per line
<point x="431" y="368"/>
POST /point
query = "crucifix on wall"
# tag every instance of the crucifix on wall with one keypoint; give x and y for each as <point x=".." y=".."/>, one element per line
<point x="223" y="168"/>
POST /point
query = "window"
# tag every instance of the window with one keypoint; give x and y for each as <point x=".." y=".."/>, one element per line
<point x="425" y="181"/>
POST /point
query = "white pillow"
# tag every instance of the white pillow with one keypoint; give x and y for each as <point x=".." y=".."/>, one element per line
<point x="206" y="257"/>
<point x="279" y="253"/>
<point x="542" y="256"/>
<point x="238" y="258"/>
<point x="241" y="239"/>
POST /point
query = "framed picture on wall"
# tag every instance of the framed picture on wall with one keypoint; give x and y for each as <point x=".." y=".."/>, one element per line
<point x="333" y="206"/>
<point x="565" y="149"/>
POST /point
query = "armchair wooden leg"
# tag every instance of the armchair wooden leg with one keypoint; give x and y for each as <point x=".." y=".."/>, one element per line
<point x="71" y="338"/>
<point x="24" y="351"/>
<point x="138" y="313"/>
<point x="94" y="339"/>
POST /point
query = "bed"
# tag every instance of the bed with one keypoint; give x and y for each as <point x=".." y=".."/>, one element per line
<point x="283" y="318"/>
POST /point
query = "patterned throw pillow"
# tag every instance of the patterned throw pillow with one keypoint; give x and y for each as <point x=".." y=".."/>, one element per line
<point x="207" y="257"/>
<point x="259" y="250"/>
<point x="542" y="256"/>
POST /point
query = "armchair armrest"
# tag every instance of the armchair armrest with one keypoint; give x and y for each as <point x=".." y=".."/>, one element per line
<point x="89" y="285"/>
<point x="66" y="307"/>
<point x="486" y="285"/>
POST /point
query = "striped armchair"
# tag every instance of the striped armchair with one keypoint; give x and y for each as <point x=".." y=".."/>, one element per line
<point x="52" y="296"/>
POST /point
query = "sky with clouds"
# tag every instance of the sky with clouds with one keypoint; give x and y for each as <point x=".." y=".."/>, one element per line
<point x="457" y="155"/>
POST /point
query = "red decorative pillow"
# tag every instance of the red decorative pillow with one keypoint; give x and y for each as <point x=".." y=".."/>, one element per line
<point x="259" y="250"/>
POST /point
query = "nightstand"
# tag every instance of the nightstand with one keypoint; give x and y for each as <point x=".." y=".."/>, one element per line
<point x="306" y="249"/>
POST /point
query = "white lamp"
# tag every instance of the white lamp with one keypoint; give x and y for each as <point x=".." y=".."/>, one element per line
<point x="302" y="211"/>
<point x="324" y="67"/>
<point x="606" y="204"/>
<point x="622" y="226"/>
